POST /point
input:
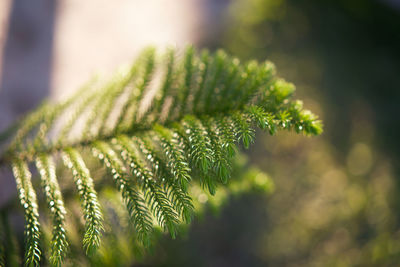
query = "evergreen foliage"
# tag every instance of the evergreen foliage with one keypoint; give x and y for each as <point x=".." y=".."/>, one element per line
<point x="47" y="171"/>
<point x="27" y="197"/>
<point x="167" y="121"/>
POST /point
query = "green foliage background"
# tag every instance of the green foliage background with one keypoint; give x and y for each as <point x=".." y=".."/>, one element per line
<point x="336" y="199"/>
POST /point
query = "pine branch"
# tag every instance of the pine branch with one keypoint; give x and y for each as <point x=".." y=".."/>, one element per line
<point x="88" y="196"/>
<point x="137" y="209"/>
<point x="154" y="194"/>
<point x="155" y="140"/>
<point x="28" y="201"/>
<point x="174" y="185"/>
<point x="59" y="243"/>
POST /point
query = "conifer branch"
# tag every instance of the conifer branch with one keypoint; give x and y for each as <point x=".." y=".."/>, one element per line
<point x="155" y="140"/>
<point x="89" y="201"/>
<point x="59" y="243"/>
<point x="28" y="201"/>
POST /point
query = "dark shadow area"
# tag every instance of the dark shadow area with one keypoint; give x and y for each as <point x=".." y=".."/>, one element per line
<point x="219" y="239"/>
<point x="27" y="56"/>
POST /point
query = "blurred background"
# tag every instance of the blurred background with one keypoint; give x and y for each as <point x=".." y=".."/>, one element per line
<point x="336" y="200"/>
